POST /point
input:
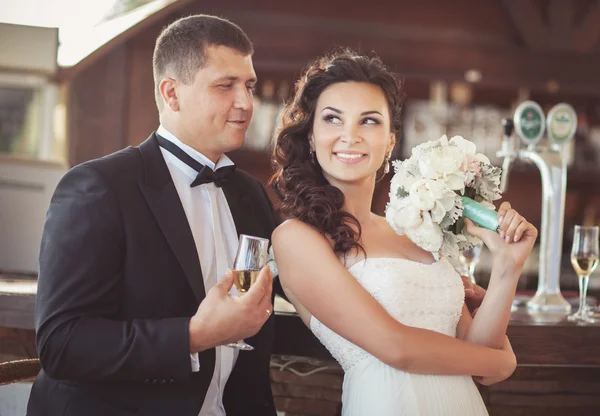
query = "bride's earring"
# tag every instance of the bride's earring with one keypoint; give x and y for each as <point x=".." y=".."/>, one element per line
<point x="313" y="157"/>
<point x="386" y="166"/>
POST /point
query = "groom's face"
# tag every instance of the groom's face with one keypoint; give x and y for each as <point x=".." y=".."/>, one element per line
<point x="216" y="108"/>
<point x="351" y="132"/>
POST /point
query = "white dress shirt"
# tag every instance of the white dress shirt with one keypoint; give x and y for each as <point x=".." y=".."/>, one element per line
<point x="215" y="235"/>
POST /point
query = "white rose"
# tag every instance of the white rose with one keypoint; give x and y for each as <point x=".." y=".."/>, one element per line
<point x="402" y="215"/>
<point x="465" y="146"/>
<point x="446" y="163"/>
<point x="396" y="183"/>
<point x="423" y="148"/>
<point x="434" y="196"/>
<point x="468" y="148"/>
<point x="428" y="235"/>
<point x="407" y="174"/>
<point x="423" y="194"/>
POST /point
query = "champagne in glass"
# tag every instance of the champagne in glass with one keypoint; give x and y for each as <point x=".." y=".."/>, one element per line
<point x="244" y="279"/>
<point x="251" y="257"/>
<point x="469" y="259"/>
<point x="584" y="266"/>
<point x="584" y="258"/>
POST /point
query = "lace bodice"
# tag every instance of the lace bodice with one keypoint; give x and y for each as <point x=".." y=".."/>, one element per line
<point x="428" y="296"/>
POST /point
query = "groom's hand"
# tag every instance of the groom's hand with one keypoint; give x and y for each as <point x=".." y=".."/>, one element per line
<point x="222" y="318"/>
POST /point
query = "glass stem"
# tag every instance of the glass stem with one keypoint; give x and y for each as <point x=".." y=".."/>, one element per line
<point x="583" y="286"/>
<point x="471" y="269"/>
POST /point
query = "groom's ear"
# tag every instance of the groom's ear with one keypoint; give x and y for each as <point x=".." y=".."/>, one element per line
<point x="168" y="91"/>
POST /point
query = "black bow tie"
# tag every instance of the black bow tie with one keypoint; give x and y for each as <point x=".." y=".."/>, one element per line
<point x="219" y="177"/>
<point x="205" y="174"/>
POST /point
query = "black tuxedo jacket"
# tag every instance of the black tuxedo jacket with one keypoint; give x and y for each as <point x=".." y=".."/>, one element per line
<point x="119" y="280"/>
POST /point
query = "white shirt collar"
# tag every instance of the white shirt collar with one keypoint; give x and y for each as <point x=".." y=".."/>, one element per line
<point x="196" y="155"/>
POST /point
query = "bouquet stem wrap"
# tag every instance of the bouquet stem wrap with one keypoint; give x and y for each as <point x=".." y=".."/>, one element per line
<point x="480" y="215"/>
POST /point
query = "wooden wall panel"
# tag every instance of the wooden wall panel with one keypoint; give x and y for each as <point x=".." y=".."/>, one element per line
<point x="142" y="112"/>
<point x="97" y="112"/>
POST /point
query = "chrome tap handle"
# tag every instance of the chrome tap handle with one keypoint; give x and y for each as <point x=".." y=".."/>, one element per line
<point x="507" y="151"/>
<point x="509" y="126"/>
<point x="505" y="172"/>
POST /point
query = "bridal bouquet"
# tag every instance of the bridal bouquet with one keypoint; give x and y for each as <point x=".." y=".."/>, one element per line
<point x="442" y="182"/>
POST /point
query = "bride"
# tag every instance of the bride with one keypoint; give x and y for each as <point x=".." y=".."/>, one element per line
<point x="393" y="318"/>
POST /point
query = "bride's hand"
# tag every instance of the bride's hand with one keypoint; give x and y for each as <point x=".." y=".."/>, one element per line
<point x="514" y="241"/>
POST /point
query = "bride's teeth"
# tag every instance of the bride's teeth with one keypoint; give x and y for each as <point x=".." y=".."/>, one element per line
<point x="349" y="156"/>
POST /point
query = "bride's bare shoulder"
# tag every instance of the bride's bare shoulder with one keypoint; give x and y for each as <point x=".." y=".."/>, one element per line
<point x="292" y="226"/>
<point x="295" y="230"/>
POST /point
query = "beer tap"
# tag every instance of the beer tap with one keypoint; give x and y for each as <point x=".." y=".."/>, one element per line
<point x="529" y="123"/>
<point x="507" y="149"/>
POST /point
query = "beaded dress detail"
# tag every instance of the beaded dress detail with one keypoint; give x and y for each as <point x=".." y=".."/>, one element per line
<point x="428" y="296"/>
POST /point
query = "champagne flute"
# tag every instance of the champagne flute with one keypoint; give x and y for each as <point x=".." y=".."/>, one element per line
<point x="469" y="259"/>
<point x="584" y="258"/>
<point x="251" y="257"/>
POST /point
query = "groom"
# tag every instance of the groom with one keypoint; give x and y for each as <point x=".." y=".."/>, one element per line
<point x="133" y="307"/>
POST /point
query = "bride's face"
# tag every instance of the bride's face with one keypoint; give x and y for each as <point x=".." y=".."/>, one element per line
<point x="351" y="132"/>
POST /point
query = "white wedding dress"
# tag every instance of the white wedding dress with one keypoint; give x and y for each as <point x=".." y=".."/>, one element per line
<point x="428" y="296"/>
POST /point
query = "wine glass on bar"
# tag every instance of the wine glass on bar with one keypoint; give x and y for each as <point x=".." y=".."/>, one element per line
<point x="251" y="257"/>
<point x="584" y="258"/>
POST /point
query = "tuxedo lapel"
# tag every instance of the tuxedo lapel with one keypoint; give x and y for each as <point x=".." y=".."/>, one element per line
<point x="162" y="198"/>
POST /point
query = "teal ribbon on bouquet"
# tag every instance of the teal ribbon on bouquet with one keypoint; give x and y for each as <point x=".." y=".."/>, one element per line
<point x="480" y="215"/>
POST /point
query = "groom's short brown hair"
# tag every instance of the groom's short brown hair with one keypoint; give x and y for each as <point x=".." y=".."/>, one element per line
<point x="180" y="48"/>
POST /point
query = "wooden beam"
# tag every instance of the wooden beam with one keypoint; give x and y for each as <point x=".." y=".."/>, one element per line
<point x="305" y="25"/>
<point x="500" y="69"/>
<point x="586" y="37"/>
<point x="285" y="43"/>
<point x="527" y="19"/>
<point x="417" y="57"/>
<point x="560" y="17"/>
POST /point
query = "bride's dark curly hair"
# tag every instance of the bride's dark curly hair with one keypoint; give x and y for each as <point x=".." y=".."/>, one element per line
<point x="298" y="180"/>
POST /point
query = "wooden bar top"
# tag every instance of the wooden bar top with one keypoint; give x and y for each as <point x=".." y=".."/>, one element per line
<point x="537" y="338"/>
<point x="17" y="302"/>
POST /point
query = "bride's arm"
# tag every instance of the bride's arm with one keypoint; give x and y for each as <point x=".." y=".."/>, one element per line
<point x="489" y="325"/>
<point x="318" y="283"/>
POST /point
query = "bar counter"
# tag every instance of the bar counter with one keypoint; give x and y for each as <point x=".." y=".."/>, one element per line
<point x="558" y="371"/>
<point x="537" y="339"/>
<point x="558" y="361"/>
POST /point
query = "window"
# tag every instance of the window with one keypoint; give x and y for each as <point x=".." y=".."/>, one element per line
<point x="28" y="104"/>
